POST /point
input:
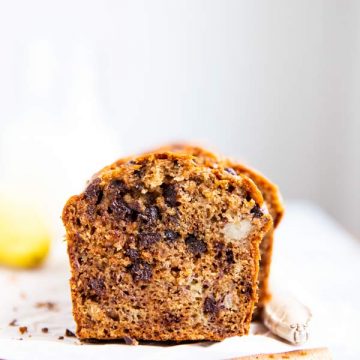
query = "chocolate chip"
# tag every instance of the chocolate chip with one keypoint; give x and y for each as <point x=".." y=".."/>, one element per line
<point x="151" y="214"/>
<point x="247" y="290"/>
<point x="229" y="256"/>
<point x="171" y="318"/>
<point x="93" y="193"/>
<point x="256" y="211"/>
<point x="120" y="209"/>
<point x="145" y="240"/>
<point x="210" y="306"/>
<point x="231" y="171"/>
<point x="97" y="286"/>
<point x="69" y="333"/>
<point x="133" y="216"/>
<point x="218" y="247"/>
<point x="117" y="187"/>
<point x="99" y="198"/>
<point x="151" y="197"/>
<point x="171" y="235"/>
<point x="195" y="245"/>
<point x="169" y="193"/>
<point x="140" y="270"/>
<point x="248" y="197"/>
<point x="45" y="330"/>
<point x="91" y="211"/>
<point x="132" y="253"/>
<point x="231" y="188"/>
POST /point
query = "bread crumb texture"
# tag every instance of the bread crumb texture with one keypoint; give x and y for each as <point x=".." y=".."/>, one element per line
<point x="163" y="247"/>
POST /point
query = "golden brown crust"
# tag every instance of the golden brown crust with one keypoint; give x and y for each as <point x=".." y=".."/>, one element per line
<point x="164" y="248"/>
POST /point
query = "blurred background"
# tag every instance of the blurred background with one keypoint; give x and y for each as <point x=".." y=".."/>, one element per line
<point x="276" y="84"/>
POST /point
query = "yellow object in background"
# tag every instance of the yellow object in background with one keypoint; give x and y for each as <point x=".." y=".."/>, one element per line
<point x="24" y="237"/>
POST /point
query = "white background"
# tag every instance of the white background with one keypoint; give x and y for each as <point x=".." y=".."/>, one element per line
<point x="275" y="83"/>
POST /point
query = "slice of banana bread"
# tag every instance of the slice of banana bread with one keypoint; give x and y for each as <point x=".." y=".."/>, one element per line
<point x="271" y="196"/>
<point x="164" y="248"/>
<point x="273" y="201"/>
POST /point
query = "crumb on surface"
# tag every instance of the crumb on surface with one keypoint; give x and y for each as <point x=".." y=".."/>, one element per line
<point x="23" y="329"/>
<point x="130" y="341"/>
<point x="60" y="338"/>
<point x="45" y="330"/>
<point x="49" y="305"/>
<point x="69" y="333"/>
<point x="13" y="323"/>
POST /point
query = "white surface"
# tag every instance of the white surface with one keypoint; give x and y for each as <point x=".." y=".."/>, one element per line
<point x="313" y="258"/>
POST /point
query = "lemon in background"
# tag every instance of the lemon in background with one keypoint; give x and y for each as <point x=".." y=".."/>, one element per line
<point x="24" y="237"/>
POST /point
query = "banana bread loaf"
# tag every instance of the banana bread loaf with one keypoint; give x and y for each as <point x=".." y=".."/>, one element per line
<point x="162" y="247"/>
